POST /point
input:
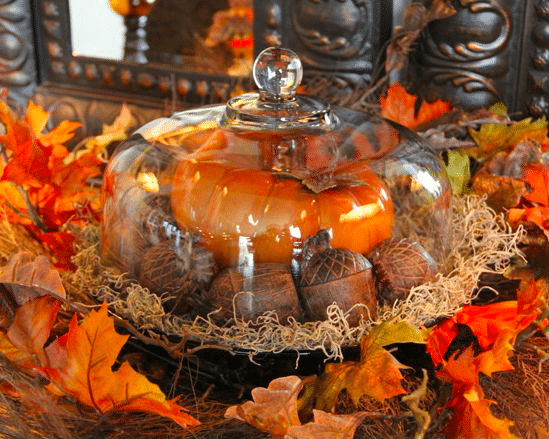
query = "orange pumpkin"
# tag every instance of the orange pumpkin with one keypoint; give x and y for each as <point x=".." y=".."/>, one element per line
<point x="228" y="191"/>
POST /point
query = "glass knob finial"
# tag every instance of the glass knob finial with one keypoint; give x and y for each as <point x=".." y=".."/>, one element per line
<point x="277" y="73"/>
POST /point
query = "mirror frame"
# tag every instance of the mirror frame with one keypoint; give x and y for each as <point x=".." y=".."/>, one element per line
<point x="36" y="59"/>
<point x="129" y="81"/>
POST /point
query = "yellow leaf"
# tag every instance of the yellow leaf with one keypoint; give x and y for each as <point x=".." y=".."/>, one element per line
<point x="37" y="118"/>
<point x="492" y="138"/>
<point x="497" y="358"/>
<point x="59" y="135"/>
<point x="377" y="374"/>
<point x="391" y="332"/>
<point x="122" y="123"/>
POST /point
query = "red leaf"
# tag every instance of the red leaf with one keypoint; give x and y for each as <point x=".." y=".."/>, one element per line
<point x="61" y="245"/>
<point x="29" y="164"/>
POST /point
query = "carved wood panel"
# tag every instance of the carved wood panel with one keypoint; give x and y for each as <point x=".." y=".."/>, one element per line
<point x="490" y="51"/>
<point x="337" y="38"/>
<point x="537" y="97"/>
<point x="17" y="64"/>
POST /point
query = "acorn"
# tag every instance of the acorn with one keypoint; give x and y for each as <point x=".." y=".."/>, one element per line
<point x="399" y="265"/>
<point x="165" y="270"/>
<point x="269" y="287"/>
<point x="337" y="275"/>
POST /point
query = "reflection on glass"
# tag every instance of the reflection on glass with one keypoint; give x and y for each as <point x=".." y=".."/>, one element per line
<point x="96" y="30"/>
<point x="208" y="36"/>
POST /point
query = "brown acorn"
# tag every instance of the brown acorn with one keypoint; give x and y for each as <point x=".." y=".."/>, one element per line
<point x="164" y="270"/>
<point x="400" y="265"/>
<point x="270" y="287"/>
<point x="337" y="275"/>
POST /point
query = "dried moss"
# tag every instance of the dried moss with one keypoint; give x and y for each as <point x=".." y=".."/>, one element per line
<point x="481" y="242"/>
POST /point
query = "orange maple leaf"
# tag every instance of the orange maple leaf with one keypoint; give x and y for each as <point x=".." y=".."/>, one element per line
<point x="538" y="215"/>
<point x="472" y="416"/>
<point x="39" y="186"/>
<point x="496" y="327"/>
<point x="537" y="177"/>
<point x="80" y="364"/>
<point x="400" y="106"/>
<point x="487" y="322"/>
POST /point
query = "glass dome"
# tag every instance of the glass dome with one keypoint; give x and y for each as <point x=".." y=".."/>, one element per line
<point x="241" y="209"/>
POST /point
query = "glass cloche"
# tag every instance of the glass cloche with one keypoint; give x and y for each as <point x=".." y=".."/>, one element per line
<point x="273" y="203"/>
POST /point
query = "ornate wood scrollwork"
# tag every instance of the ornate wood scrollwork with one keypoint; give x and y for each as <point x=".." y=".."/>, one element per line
<point x="17" y="66"/>
<point x="538" y="75"/>
<point x="339" y="39"/>
<point x="466" y="58"/>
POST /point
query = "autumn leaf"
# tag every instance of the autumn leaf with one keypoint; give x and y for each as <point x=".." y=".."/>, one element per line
<point x="61" y="246"/>
<point x="273" y="409"/>
<point x="472" y="417"/>
<point x="495" y="327"/>
<point x="24" y="277"/>
<point x="538" y="215"/>
<point x="458" y="170"/>
<point x="42" y="186"/>
<point x="400" y="106"/>
<point x="377" y="374"/>
<point x="487" y="322"/>
<point x="501" y="192"/>
<point x="28" y="166"/>
<point x="327" y="425"/>
<point x="476" y="419"/>
<point x="96" y="146"/>
<point x="534" y="205"/>
<point x="532" y="296"/>
<point x="80" y="365"/>
<point x="537" y="176"/>
<point x="37" y="117"/>
<point x="492" y="138"/>
<point x="30" y="330"/>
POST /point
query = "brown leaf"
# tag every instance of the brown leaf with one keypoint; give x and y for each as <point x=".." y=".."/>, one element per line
<point x="327" y="425"/>
<point x="31" y="328"/>
<point x="273" y="409"/>
<point x="25" y="277"/>
<point x="416" y="18"/>
<point x="501" y="192"/>
<point x="377" y="374"/>
<point x="492" y="138"/>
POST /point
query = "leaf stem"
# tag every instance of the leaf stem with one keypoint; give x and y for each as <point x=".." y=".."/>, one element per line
<point x="423" y="418"/>
<point x="34" y="215"/>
